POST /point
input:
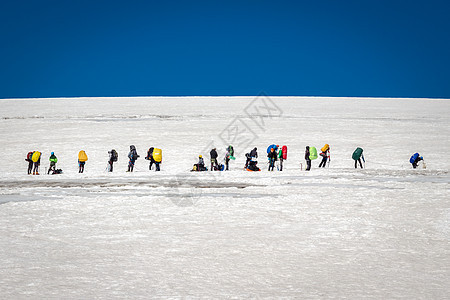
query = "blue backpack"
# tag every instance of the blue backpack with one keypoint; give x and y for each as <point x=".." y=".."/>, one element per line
<point x="270" y="147"/>
<point x="414" y="157"/>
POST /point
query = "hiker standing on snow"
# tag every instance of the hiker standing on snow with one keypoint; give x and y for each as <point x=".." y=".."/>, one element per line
<point x="325" y="155"/>
<point x="113" y="155"/>
<point x="308" y="160"/>
<point x="228" y="155"/>
<point x="214" y="155"/>
<point x="156" y="158"/>
<point x="53" y="160"/>
<point x="272" y="158"/>
<point x="357" y="155"/>
<point x="150" y="157"/>
<point x="248" y="159"/>
<point x="132" y="155"/>
<point x="227" y="158"/>
<point x="280" y="157"/>
<point x="82" y="159"/>
<point x="30" y="162"/>
<point x="36" y="162"/>
<point x="36" y="165"/>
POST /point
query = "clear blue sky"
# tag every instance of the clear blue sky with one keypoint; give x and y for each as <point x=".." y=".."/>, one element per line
<point x="147" y="48"/>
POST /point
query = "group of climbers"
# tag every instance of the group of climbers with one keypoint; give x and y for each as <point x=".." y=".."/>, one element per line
<point x="34" y="161"/>
<point x="275" y="154"/>
<point x="154" y="155"/>
<point x="215" y="165"/>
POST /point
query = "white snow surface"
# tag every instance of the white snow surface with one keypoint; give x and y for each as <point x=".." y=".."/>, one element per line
<point x="338" y="232"/>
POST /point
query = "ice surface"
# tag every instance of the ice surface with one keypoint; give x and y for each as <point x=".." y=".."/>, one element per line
<point x="382" y="232"/>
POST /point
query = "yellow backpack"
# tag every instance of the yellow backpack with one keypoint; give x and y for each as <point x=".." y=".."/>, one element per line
<point x="157" y="155"/>
<point x="325" y="148"/>
<point x="82" y="156"/>
<point x="36" y="156"/>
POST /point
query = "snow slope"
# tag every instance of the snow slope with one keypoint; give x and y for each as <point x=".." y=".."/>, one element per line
<point x="381" y="232"/>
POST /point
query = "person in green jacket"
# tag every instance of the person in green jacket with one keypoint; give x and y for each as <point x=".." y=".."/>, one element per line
<point x="53" y="160"/>
<point x="280" y="157"/>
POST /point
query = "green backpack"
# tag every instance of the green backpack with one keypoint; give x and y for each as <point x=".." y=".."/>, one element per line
<point x="312" y="153"/>
<point x="357" y="153"/>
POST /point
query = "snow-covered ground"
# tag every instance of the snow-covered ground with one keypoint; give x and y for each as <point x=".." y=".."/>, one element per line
<point x="382" y="232"/>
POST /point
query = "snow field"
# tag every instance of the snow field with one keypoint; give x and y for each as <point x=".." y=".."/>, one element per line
<point x="337" y="232"/>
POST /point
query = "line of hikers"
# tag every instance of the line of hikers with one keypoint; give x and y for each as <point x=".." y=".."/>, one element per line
<point x="154" y="155"/>
<point x="276" y="155"/>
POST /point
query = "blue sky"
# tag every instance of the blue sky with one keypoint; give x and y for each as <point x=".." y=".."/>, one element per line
<point x="181" y="48"/>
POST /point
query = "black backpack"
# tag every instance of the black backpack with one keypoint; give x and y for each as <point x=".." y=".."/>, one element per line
<point x="114" y="155"/>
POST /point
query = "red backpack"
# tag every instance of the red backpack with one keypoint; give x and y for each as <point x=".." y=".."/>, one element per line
<point x="29" y="155"/>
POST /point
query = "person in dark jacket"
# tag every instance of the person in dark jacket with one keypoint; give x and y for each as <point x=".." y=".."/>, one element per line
<point x="308" y="160"/>
<point x="132" y="155"/>
<point x="272" y="155"/>
<point x="248" y="159"/>
<point x="214" y="155"/>
<point x="150" y="158"/>
<point x="30" y="162"/>
<point x="325" y="155"/>
<point x="113" y="156"/>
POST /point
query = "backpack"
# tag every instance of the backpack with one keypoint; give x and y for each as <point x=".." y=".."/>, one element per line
<point x="36" y="155"/>
<point x="414" y="157"/>
<point x="157" y="155"/>
<point x="325" y="148"/>
<point x="82" y="157"/>
<point x="284" y="151"/>
<point x="275" y="148"/>
<point x="312" y="153"/>
<point x="357" y="153"/>
<point x="114" y="155"/>
<point x="29" y="156"/>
